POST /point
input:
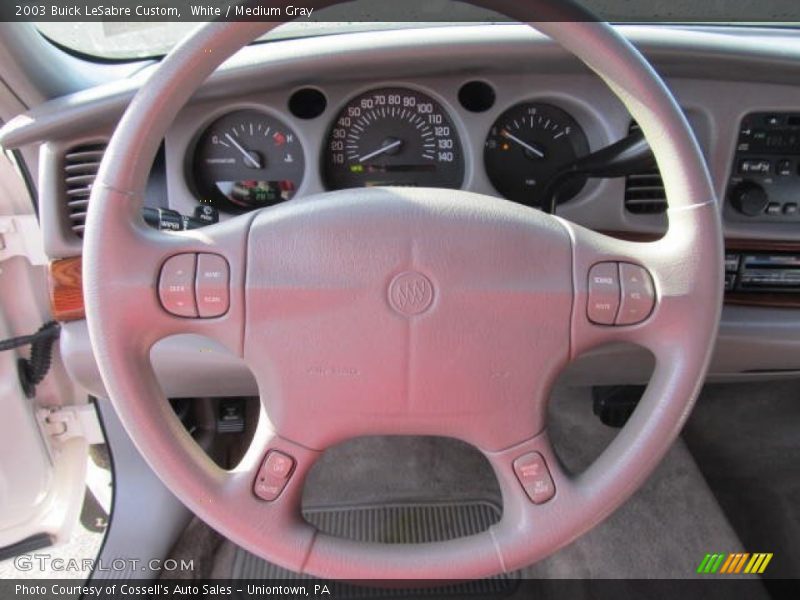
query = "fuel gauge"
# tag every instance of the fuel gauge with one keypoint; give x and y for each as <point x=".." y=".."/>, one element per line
<point x="526" y="147"/>
<point x="245" y="160"/>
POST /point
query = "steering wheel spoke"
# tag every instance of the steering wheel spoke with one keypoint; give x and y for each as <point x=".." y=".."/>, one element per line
<point x="164" y="283"/>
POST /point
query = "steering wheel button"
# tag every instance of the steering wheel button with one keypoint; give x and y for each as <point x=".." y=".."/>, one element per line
<point x="176" y="285"/>
<point x="273" y="475"/>
<point x="212" y="285"/>
<point x="638" y="295"/>
<point x="604" y="293"/>
<point x="532" y="472"/>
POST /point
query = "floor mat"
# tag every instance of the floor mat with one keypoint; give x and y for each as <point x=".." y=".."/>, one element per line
<point x="663" y="531"/>
<point x="394" y="524"/>
<point x="746" y="441"/>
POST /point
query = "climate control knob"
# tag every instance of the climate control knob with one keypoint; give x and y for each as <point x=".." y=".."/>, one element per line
<point x="749" y="198"/>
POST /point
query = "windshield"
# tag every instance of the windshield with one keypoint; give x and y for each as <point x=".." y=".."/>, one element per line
<point x="124" y="39"/>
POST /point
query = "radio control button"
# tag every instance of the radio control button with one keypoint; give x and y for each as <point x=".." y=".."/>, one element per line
<point x="212" y="285"/>
<point x="176" y="285"/>
<point x="773" y="208"/>
<point x="750" y="166"/>
<point x="749" y="198"/>
<point x="790" y="208"/>
<point x="783" y="167"/>
<point x="637" y="294"/>
<point x="603" y="301"/>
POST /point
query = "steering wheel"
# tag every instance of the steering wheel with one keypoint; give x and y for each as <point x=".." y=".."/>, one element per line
<point x="403" y="312"/>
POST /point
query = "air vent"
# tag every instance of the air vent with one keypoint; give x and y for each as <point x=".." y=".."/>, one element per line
<point x="80" y="169"/>
<point x="644" y="192"/>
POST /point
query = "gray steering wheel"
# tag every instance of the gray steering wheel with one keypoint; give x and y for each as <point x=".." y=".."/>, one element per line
<point x="404" y="312"/>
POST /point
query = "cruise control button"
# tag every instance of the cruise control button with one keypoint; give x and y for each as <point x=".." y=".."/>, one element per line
<point x="176" y="285"/>
<point x="532" y="472"/>
<point x="212" y="285"/>
<point x="603" y="293"/>
<point x="273" y="475"/>
<point x="638" y="294"/>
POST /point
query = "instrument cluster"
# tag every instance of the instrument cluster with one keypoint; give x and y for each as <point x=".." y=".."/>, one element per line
<point x="388" y="136"/>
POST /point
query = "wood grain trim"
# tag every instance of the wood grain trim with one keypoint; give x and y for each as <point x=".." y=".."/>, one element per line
<point x="762" y="246"/>
<point x="763" y="299"/>
<point x="66" y="289"/>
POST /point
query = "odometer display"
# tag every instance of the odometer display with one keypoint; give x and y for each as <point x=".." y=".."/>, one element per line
<point x="393" y="137"/>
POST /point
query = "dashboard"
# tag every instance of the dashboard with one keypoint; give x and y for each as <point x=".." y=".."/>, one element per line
<point x="496" y="110"/>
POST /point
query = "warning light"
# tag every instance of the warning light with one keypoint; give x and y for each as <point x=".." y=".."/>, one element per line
<point x="356" y="168"/>
<point x="505" y="146"/>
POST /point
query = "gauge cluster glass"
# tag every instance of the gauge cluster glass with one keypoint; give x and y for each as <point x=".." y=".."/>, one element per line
<point x="526" y="147"/>
<point x="247" y="159"/>
<point x="393" y="136"/>
<point x="390" y="136"/>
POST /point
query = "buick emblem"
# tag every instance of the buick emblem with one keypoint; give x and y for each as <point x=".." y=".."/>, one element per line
<point x="410" y="293"/>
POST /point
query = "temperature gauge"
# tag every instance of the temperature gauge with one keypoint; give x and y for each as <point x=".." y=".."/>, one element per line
<point x="246" y="160"/>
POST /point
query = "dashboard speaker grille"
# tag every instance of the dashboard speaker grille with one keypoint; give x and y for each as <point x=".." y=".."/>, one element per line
<point x="644" y="192"/>
<point x="80" y="169"/>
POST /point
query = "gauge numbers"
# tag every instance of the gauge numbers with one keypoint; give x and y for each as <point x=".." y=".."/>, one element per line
<point x="246" y="160"/>
<point x="526" y="147"/>
<point x="393" y="136"/>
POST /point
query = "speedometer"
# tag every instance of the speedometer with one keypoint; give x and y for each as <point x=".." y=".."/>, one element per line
<point x="393" y="136"/>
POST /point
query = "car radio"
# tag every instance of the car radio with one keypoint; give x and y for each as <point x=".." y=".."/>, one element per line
<point x="765" y="178"/>
<point x="762" y="272"/>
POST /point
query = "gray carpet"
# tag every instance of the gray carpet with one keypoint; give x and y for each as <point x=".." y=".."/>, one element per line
<point x="662" y="532"/>
<point x="746" y="441"/>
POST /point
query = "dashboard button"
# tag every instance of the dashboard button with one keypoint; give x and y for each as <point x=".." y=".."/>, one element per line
<point x="176" y="285"/>
<point x="751" y="166"/>
<point x="773" y="208"/>
<point x="273" y="475"/>
<point x="603" y="293"/>
<point x="783" y="167"/>
<point x="532" y="473"/>
<point x="637" y="296"/>
<point x="790" y="208"/>
<point x="212" y="285"/>
<point x="731" y="263"/>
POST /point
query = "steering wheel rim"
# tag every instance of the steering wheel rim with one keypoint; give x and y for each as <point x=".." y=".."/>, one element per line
<point x="125" y="319"/>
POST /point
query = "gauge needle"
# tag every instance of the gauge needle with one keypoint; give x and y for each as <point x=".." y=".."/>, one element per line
<point x="380" y="150"/>
<point x="508" y="135"/>
<point x="248" y="157"/>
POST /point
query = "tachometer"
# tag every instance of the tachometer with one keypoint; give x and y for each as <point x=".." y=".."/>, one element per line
<point x="393" y="136"/>
<point x="525" y="148"/>
<point x="246" y="160"/>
